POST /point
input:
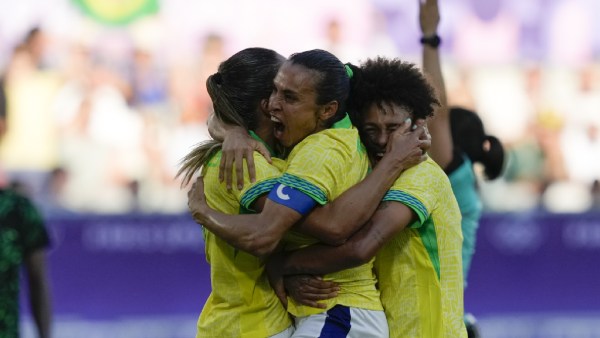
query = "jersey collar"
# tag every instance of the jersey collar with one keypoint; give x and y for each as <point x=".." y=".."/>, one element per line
<point x="344" y="123"/>
<point x="256" y="137"/>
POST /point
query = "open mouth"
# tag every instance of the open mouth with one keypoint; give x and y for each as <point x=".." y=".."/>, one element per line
<point x="278" y="127"/>
<point x="377" y="155"/>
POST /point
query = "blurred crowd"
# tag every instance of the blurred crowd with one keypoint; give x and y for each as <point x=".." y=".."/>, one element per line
<point x="97" y="119"/>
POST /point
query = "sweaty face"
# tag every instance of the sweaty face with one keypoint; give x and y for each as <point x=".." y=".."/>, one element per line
<point x="292" y="105"/>
<point x="378" y="124"/>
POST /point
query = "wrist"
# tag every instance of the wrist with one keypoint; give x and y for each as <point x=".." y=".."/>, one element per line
<point x="199" y="215"/>
<point x="432" y="40"/>
<point x="392" y="165"/>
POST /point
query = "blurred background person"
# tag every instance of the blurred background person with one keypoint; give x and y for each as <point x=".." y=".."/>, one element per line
<point x="23" y="244"/>
<point x="28" y="148"/>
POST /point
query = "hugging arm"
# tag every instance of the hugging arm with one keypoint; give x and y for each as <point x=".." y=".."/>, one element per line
<point x="389" y="219"/>
<point x="334" y="222"/>
<point x="299" y="270"/>
<point x="258" y="234"/>
<point x="237" y="146"/>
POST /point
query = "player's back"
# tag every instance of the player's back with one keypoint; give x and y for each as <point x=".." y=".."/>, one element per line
<point x="242" y="303"/>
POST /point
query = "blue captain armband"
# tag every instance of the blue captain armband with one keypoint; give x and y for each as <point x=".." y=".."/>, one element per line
<point x="292" y="198"/>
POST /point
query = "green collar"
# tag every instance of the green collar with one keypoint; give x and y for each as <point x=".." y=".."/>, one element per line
<point x="344" y="123"/>
<point x="256" y="137"/>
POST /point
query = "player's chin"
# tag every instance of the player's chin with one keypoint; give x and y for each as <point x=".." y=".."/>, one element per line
<point x="286" y="142"/>
<point x="376" y="152"/>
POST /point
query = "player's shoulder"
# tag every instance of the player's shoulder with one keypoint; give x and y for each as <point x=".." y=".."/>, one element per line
<point x="260" y="160"/>
<point x="211" y="167"/>
<point x="427" y="173"/>
<point x="331" y="140"/>
<point x="429" y="166"/>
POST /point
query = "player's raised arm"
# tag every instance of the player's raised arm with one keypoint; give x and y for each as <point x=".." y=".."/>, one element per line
<point x="441" y="144"/>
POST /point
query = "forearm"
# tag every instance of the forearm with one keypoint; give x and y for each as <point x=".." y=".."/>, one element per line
<point x="441" y="138"/>
<point x="334" y="222"/>
<point x="322" y="259"/>
<point x="218" y="129"/>
<point x="257" y="234"/>
<point x="390" y="219"/>
<point x="433" y="68"/>
<point x="249" y="233"/>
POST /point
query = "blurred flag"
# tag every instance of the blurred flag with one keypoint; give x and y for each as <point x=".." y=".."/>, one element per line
<point x="117" y="12"/>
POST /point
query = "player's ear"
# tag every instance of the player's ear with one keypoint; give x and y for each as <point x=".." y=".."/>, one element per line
<point x="328" y="110"/>
<point x="264" y="106"/>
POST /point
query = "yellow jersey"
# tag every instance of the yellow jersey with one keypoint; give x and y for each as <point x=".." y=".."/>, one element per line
<point x="242" y="302"/>
<point x="420" y="269"/>
<point x="323" y="166"/>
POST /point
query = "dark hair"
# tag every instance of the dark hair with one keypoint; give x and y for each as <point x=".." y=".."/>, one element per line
<point x="468" y="134"/>
<point x="382" y="80"/>
<point x="333" y="83"/>
<point x="236" y="91"/>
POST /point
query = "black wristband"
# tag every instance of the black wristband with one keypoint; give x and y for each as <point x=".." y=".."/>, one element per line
<point x="432" y="41"/>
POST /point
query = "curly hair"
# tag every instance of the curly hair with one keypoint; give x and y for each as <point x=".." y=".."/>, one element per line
<point x="383" y="81"/>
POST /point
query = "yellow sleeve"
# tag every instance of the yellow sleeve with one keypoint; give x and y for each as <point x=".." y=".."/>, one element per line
<point x="266" y="178"/>
<point x="418" y="188"/>
<point x="317" y="164"/>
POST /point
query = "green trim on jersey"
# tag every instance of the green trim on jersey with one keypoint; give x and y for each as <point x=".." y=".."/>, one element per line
<point x="256" y="137"/>
<point x="214" y="161"/>
<point x="344" y="123"/>
<point x="309" y="188"/>
<point x="425" y="227"/>
<point x="304" y="186"/>
<point x="429" y="239"/>
<point x="255" y="191"/>
<point x="412" y="202"/>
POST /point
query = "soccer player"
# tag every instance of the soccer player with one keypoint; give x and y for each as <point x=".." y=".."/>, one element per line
<point x="415" y="233"/>
<point x="327" y="158"/>
<point x="241" y="303"/>
<point x="23" y="243"/>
